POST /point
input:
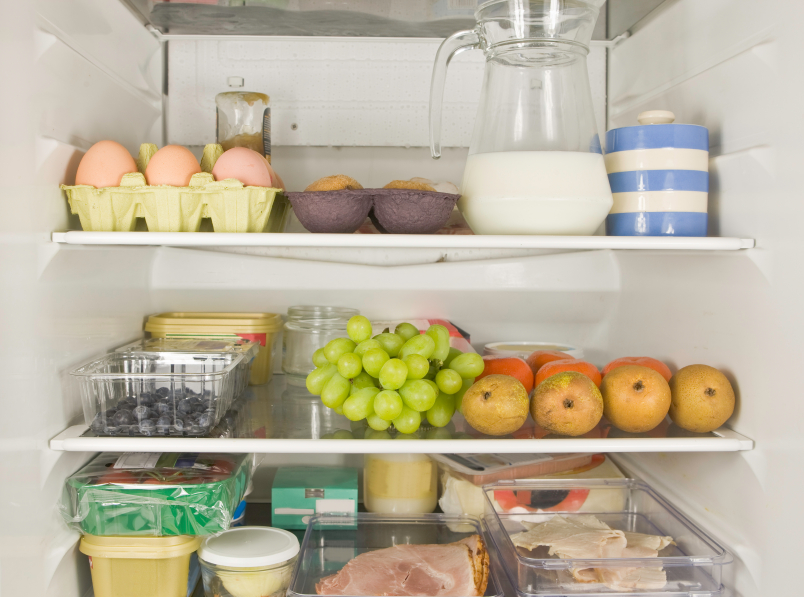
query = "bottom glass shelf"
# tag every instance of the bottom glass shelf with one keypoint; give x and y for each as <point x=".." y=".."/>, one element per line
<point x="280" y="417"/>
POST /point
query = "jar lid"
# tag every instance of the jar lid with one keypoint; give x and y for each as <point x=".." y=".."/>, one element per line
<point x="656" y="131"/>
<point x="249" y="547"/>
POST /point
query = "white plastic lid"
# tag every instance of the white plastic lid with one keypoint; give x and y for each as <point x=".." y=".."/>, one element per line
<point x="249" y="547"/>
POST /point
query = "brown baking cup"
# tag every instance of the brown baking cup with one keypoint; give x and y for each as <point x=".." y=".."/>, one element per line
<point x="332" y="211"/>
<point x="405" y="211"/>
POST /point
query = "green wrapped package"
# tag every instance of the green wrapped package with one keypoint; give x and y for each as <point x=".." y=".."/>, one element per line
<point x="164" y="494"/>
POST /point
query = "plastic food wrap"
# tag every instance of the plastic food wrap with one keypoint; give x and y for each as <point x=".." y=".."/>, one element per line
<point x="165" y="494"/>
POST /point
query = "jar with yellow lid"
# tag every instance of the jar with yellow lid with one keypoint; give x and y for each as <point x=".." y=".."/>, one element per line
<point x="399" y="483"/>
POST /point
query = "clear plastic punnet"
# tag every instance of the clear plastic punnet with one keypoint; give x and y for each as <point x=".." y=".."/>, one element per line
<point x="241" y="346"/>
<point x="156" y="494"/>
<point x="635" y="543"/>
<point x="156" y="394"/>
<point x="333" y="541"/>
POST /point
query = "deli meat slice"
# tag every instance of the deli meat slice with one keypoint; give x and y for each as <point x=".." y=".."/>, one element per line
<point x="583" y="537"/>
<point x="451" y="570"/>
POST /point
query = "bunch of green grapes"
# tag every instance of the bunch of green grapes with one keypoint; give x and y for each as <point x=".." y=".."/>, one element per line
<point x="394" y="377"/>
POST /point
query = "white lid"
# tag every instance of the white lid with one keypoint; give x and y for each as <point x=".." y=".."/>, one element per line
<point x="656" y="117"/>
<point x="249" y="547"/>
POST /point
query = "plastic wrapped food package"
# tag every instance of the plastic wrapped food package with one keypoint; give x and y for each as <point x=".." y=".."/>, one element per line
<point x="462" y="496"/>
<point x="153" y="494"/>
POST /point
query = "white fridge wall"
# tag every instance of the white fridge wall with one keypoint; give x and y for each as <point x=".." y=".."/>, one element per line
<point x="72" y="73"/>
<point x="335" y="92"/>
<point x="725" y="64"/>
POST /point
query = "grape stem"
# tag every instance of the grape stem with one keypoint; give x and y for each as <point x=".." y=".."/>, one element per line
<point x="437" y="363"/>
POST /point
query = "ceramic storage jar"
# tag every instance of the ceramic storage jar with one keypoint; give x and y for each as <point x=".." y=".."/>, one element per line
<point x="659" y="176"/>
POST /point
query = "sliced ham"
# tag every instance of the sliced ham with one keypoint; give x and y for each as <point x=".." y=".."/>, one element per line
<point x="454" y="569"/>
<point x="585" y="537"/>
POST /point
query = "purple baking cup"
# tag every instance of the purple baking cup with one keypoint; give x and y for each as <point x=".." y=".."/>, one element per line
<point x="405" y="211"/>
<point x="332" y="211"/>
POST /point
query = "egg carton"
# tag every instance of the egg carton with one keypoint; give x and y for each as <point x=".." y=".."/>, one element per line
<point x="231" y="206"/>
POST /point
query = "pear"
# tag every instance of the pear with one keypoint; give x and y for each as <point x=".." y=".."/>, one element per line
<point x="702" y="398"/>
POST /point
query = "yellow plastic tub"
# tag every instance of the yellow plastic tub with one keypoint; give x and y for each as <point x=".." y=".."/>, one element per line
<point x="259" y="327"/>
<point x="139" y="566"/>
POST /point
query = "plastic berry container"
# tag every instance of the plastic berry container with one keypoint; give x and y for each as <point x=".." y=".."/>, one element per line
<point x="177" y="394"/>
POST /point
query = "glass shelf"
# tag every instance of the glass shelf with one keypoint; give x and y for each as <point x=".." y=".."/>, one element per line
<point x="284" y="418"/>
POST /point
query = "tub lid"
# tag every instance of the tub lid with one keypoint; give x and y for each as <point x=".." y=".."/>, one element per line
<point x="656" y="131"/>
<point x="138" y="548"/>
<point x="190" y="322"/>
<point x="249" y="547"/>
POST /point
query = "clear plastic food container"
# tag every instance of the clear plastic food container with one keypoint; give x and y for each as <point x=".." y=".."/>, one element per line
<point x="691" y="565"/>
<point x="158" y="394"/>
<point x="248" y="562"/>
<point x="247" y="348"/>
<point x="329" y="544"/>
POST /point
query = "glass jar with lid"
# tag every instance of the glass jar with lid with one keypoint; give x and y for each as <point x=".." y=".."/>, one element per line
<point x="307" y="329"/>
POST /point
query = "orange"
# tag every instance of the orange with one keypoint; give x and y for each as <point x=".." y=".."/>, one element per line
<point x="654" y="364"/>
<point x="513" y="366"/>
<point x="540" y="357"/>
<point x="553" y="367"/>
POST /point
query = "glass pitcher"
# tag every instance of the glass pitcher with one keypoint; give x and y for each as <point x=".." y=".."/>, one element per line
<point x="535" y="162"/>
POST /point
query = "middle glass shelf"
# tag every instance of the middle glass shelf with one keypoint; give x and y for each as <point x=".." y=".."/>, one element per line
<point x="283" y="418"/>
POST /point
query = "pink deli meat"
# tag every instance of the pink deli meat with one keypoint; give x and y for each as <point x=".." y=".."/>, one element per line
<point x="454" y="569"/>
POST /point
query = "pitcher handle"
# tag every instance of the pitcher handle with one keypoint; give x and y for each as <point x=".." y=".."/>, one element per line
<point x="454" y="44"/>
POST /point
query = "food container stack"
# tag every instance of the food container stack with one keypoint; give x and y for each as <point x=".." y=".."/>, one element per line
<point x="143" y="515"/>
<point x="659" y="176"/>
<point x="634" y="542"/>
<point x="262" y="328"/>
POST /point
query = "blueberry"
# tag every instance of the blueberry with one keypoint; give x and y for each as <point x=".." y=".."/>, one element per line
<point x="146" y="400"/>
<point x="164" y="392"/>
<point x="163" y="423"/>
<point x="199" y="408"/>
<point x="184" y="407"/>
<point x="147" y="426"/>
<point x="98" y="423"/>
<point x="123" y="417"/>
<point x="142" y="412"/>
<point x="163" y="408"/>
<point x="204" y="420"/>
<point x="109" y="413"/>
<point x="179" y="425"/>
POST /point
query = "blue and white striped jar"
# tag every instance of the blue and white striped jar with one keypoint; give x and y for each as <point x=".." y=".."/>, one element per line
<point x="659" y="176"/>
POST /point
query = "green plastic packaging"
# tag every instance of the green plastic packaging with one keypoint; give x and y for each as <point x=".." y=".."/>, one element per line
<point x="156" y="494"/>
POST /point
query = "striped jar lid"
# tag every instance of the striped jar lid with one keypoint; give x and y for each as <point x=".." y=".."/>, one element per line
<point x="659" y="176"/>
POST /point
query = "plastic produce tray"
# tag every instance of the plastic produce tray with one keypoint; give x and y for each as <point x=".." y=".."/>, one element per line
<point x="179" y="494"/>
<point x="329" y="545"/>
<point x="157" y="394"/>
<point x="230" y="206"/>
<point x="694" y="564"/>
<point x="241" y="346"/>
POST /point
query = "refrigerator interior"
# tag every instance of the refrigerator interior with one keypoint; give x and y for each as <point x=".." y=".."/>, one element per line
<point x="82" y="71"/>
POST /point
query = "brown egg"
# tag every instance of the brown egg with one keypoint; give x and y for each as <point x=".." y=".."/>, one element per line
<point x="172" y="165"/>
<point x="245" y="165"/>
<point x="104" y="165"/>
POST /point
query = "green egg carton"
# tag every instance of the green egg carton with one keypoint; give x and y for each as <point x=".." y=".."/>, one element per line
<point x="230" y="206"/>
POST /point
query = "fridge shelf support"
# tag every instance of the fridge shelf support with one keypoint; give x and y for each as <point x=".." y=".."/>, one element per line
<point x="403" y="241"/>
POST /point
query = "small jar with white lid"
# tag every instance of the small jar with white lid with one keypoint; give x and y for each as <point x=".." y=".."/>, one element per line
<point x="400" y="483"/>
<point x="248" y="562"/>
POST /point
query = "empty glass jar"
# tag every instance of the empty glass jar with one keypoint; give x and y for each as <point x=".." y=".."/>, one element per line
<point x="307" y="329"/>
